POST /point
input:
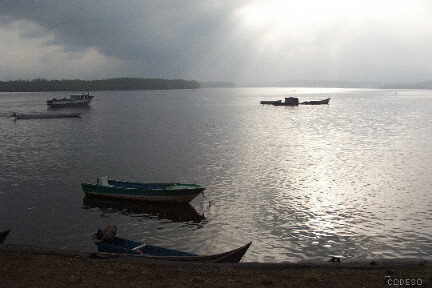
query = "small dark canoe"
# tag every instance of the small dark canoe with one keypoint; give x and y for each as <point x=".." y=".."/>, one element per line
<point x="45" y="115"/>
<point x="319" y="102"/>
<point x="271" y="102"/>
<point x="126" y="248"/>
<point x="3" y="235"/>
<point x="154" y="192"/>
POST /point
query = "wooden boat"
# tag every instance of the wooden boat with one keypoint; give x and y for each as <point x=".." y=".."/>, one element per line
<point x="176" y="212"/>
<point x="270" y="102"/>
<point x="290" y="101"/>
<point x="150" y="252"/>
<point x="319" y="102"/>
<point x="44" y="115"/>
<point x="3" y="235"/>
<point x="155" y="192"/>
<point x="74" y="100"/>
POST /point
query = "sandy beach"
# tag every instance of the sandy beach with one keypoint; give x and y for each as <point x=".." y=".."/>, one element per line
<point x="28" y="267"/>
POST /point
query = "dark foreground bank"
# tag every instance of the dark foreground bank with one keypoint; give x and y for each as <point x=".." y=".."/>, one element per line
<point x="29" y="267"/>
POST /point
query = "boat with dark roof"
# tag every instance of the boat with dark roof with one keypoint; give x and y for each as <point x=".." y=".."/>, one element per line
<point x="294" y="101"/>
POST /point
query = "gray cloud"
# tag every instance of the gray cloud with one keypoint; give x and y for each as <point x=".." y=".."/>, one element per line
<point x="160" y="38"/>
<point x="206" y="40"/>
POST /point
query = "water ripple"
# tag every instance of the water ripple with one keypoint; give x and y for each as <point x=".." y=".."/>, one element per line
<point x="351" y="178"/>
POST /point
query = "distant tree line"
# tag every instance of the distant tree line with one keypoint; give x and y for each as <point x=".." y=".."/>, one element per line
<point x="93" y="85"/>
<point x="419" y="85"/>
<point x="217" y="84"/>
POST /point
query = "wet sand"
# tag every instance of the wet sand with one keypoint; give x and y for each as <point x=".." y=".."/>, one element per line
<point x="29" y="267"/>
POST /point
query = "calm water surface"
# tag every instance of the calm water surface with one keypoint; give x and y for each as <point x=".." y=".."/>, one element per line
<point x="351" y="178"/>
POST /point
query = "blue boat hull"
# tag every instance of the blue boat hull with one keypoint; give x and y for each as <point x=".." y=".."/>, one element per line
<point x="124" y="247"/>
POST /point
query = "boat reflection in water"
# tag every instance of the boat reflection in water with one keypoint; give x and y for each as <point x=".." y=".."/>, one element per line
<point x="176" y="212"/>
<point x="70" y="108"/>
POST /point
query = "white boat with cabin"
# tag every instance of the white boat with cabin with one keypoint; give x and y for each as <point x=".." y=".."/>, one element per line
<point x="82" y="99"/>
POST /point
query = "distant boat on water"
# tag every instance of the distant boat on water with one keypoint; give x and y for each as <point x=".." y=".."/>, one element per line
<point x="294" y="101"/>
<point x="75" y="100"/>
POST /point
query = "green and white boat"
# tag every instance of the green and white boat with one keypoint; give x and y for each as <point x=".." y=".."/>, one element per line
<point x="154" y="192"/>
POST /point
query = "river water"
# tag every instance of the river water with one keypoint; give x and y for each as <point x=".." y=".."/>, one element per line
<point x="352" y="178"/>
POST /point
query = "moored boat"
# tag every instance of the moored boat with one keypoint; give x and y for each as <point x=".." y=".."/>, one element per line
<point x="44" y="115"/>
<point x="316" y="102"/>
<point x="155" y="192"/>
<point x="294" y="101"/>
<point x="74" y="100"/>
<point x="131" y="248"/>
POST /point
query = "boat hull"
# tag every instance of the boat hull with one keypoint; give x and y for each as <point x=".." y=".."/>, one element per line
<point x="293" y="101"/>
<point x="22" y="116"/>
<point x="285" y="104"/>
<point x="124" y="247"/>
<point x="70" y="104"/>
<point x="271" y="102"/>
<point x="319" y="102"/>
<point x="142" y="194"/>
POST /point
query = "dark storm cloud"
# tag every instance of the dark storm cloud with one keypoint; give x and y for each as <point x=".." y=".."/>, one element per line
<point x="154" y="38"/>
<point x="276" y="40"/>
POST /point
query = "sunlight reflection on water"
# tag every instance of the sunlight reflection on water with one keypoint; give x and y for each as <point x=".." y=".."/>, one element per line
<point x="350" y="178"/>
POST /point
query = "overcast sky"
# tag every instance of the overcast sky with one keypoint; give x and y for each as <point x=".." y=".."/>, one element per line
<point x="235" y="40"/>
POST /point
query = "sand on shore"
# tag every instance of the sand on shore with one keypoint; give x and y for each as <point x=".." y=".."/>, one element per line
<point x="32" y="268"/>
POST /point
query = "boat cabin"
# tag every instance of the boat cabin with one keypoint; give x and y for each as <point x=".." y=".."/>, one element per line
<point x="291" y="101"/>
<point x="81" y="96"/>
<point x="102" y="181"/>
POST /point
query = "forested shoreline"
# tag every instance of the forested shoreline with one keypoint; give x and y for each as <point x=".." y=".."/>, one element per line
<point x="37" y="85"/>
